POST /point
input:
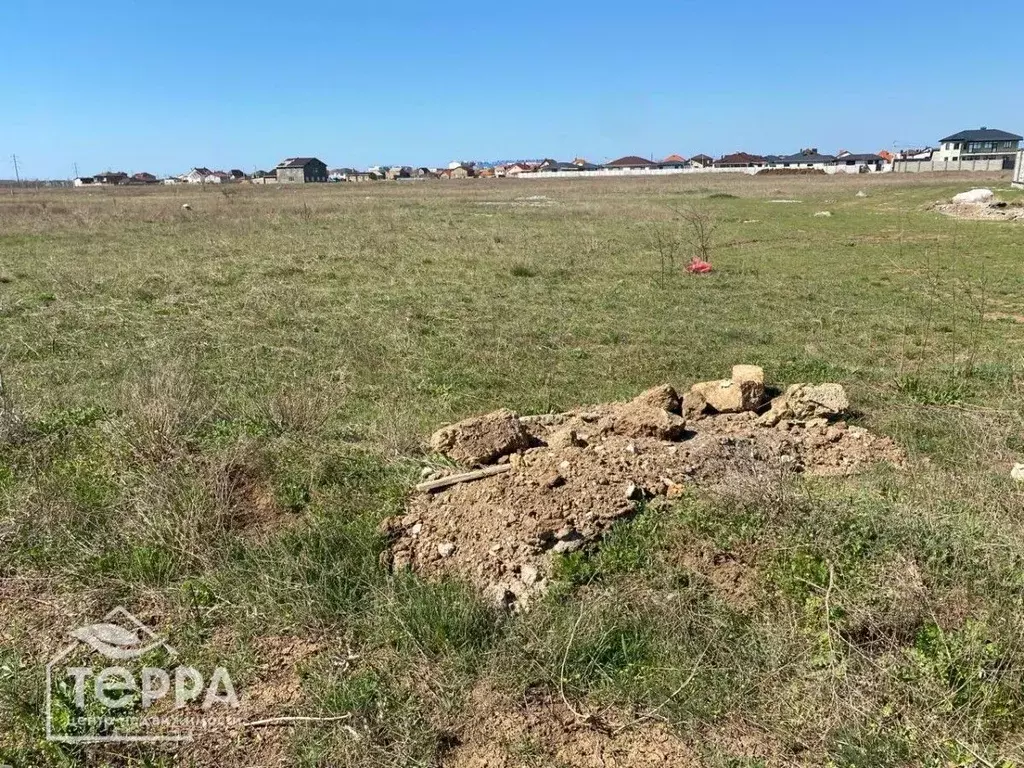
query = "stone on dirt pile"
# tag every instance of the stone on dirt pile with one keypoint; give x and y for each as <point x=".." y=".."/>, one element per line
<point x="482" y="439"/>
<point x="974" y="196"/>
<point x="808" y="401"/>
<point x="743" y="392"/>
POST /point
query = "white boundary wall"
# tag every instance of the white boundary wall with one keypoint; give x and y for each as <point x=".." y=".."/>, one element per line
<point x="608" y="173"/>
<point x="1018" y="170"/>
<point x="926" y="166"/>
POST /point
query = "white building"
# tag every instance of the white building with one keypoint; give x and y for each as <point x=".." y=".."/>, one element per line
<point x="982" y="144"/>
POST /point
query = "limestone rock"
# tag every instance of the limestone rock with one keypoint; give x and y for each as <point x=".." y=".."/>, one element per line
<point x="1017" y="473"/>
<point x="731" y="395"/>
<point x="643" y="420"/>
<point x="803" y="402"/>
<point x="482" y="439"/>
<point x="663" y="396"/>
<point x="748" y="373"/>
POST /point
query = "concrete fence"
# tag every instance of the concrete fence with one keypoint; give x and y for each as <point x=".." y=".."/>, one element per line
<point x="1018" y="170"/>
<point x="926" y="166"/>
<point x="607" y="173"/>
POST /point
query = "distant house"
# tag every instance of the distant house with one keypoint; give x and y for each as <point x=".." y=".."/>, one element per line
<point x="517" y="168"/>
<point x="981" y="144"/>
<point x="111" y="178"/>
<point x="924" y="153"/>
<point x="424" y="173"/>
<point x="461" y="172"/>
<point x="807" y="158"/>
<point x="143" y="178"/>
<point x="264" y="177"/>
<point x="674" y="161"/>
<point x="199" y="176"/>
<point x="848" y="162"/>
<point x="631" y="162"/>
<point x="220" y="177"/>
<point x="740" y="160"/>
<point x="83" y="181"/>
<point x="398" y="172"/>
<point x="702" y="161"/>
<point x="554" y="166"/>
<point x="236" y="174"/>
<point x="301" y="170"/>
<point x="340" y="174"/>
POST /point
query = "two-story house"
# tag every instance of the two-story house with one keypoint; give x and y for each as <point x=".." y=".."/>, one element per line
<point x="301" y="170"/>
<point x="981" y="144"/>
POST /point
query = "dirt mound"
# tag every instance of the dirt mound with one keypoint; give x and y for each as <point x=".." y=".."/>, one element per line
<point x="984" y="211"/>
<point x="589" y="468"/>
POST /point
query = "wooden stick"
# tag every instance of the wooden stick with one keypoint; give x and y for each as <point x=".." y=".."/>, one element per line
<point x="294" y="719"/>
<point x="464" y="477"/>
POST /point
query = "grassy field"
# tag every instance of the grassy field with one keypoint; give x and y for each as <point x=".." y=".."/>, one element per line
<point x="208" y="412"/>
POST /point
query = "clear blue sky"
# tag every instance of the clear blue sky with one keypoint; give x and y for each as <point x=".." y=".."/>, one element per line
<point x="164" y="85"/>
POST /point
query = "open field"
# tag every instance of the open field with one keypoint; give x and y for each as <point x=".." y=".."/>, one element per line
<point x="208" y="412"/>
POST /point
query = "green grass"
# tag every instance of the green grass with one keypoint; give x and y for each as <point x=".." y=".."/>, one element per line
<point x="217" y="408"/>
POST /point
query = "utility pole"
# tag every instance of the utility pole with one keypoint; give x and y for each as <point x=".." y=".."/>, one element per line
<point x="17" y="175"/>
<point x="76" y="170"/>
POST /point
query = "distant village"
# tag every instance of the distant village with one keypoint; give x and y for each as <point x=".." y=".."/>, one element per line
<point x="983" y="149"/>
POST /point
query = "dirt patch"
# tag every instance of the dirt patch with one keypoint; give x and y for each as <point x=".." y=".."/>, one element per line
<point x="729" y="575"/>
<point x="541" y="730"/>
<point x="275" y="691"/>
<point x="997" y="211"/>
<point x="590" y="468"/>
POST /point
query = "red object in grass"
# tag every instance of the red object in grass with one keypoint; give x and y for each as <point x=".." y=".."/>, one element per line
<point x="698" y="266"/>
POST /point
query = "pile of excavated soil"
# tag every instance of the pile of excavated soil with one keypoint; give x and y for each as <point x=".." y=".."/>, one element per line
<point x="571" y="476"/>
<point x="992" y="211"/>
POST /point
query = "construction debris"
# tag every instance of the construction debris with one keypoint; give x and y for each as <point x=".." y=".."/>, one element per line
<point x="564" y="479"/>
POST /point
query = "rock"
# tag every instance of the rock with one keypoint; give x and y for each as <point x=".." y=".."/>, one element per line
<point x="694" y="403"/>
<point x="482" y="439"/>
<point x="427" y="472"/>
<point x="974" y="196"/>
<point x="1017" y="473"/>
<point x="445" y="549"/>
<point x="642" y="420"/>
<point x="823" y="214"/>
<point x="862" y="193"/>
<point x="554" y="480"/>
<point x="731" y="396"/>
<point x="806" y="402"/>
<point x="748" y="373"/>
<point x="635" y="493"/>
<point x="565" y="438"/>
<point x="528" y="574"/>
<point x="663" y="396"/>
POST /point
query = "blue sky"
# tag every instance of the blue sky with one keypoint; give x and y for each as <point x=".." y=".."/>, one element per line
<point x="163" y="86"/>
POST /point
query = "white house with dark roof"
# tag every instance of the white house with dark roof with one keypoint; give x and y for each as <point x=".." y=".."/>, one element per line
<point x="981" y="144"/>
